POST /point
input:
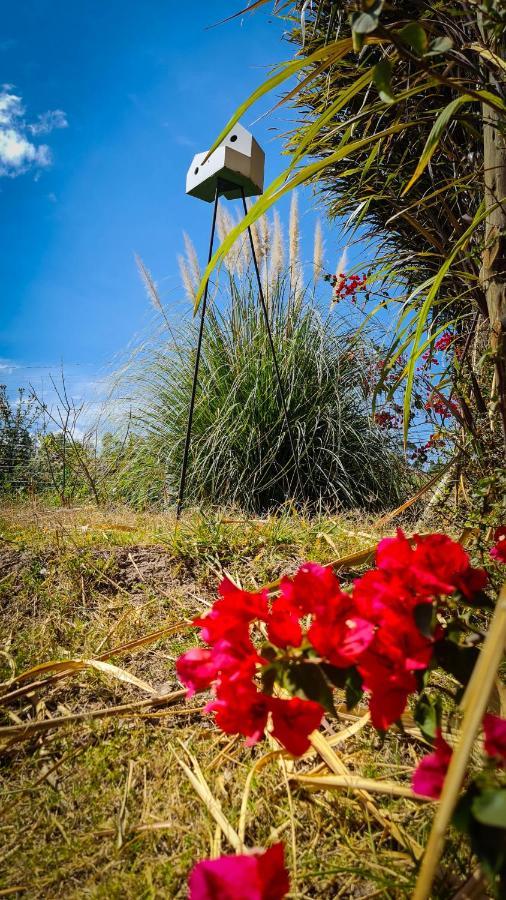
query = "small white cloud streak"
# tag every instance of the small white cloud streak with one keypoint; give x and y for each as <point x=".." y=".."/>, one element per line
<point x="18" y="153"/>
<point x="48" y="121"/>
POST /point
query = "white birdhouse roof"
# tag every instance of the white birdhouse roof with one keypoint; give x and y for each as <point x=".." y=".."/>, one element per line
<point x="236" y="165"/>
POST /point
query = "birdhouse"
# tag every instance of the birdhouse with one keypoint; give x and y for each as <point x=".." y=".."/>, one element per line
<point x="236" y="165"/>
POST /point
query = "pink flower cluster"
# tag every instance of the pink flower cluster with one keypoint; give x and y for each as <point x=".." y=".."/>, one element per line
<point x="371" y="630"/>
<point x="253" y="876"/>
<point x="498" y="551"/>
<point x="429" y="775"/>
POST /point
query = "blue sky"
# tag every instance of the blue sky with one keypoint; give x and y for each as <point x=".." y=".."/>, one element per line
<point x="113" y="99"/>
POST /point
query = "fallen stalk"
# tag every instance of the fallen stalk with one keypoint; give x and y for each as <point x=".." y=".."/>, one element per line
<point x="12" y="733"/>
<point x="72" y="666"/>
<point x="356" y="783"/>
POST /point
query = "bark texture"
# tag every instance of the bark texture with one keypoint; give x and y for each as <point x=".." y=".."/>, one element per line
<point x="494" y="257"/>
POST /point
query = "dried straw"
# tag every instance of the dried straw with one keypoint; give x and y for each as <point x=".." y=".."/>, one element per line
<point x="474" y="705"/>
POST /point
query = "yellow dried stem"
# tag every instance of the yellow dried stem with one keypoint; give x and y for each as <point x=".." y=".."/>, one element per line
<point x="473" y="706"/>
<point x="356" y="782"/>
<point x="198" y="782"/>
<point x="259" y="764"/>
<point x="338" y="767"/>
<point x="10" y="734"/>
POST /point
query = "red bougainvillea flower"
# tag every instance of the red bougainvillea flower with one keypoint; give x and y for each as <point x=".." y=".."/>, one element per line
<point x="395" y="554"/>
<point x="379" y="591"/>
<point x="387" y="667"/>
<point x="442" y="566"/>
<point x="240" y="708"/>
<point x="338" y="634"/>
<point x="293" y="721"/>
<point x="232" y="614"/>
<point x="432" y="564"/>
<point x="196" y="670"/>
<point x="311" y="588"/>
<point x="283" y="626"/>
<point x="199" y="668"/>
<point x="255" y="876"/>
<point x="430" y="773"/>
<point x="498" y="551"/>
<point x="495" y="736"/>
<point x="389" y="686"/>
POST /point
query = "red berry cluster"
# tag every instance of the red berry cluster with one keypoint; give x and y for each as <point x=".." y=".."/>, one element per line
<point x="319" y="635"/>
<point x="443" y="343"/>
<point x="441" y="407"/>
<point x="346" y="286"/>
<point x="386" y="419"/>
<point x="421" y="454"/>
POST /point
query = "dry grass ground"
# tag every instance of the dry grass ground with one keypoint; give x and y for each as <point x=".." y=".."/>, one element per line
<point x="94" y="801"/>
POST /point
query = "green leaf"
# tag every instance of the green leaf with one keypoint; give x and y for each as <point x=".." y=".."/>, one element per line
<point x="285" y="70"/>
<point x="427" y="715"/>
<point x="382" y="77"/>
<point x="364" y="22"/>
<point x="307" y="681"/>
<point x="487" y="842"/>
<point x="415" y="37"/>
<point x="440" y="45"/>
<point x="358" y="40"/>
<point x="435" y="135"/>
<point x="424" y="615"/>
<point x="354" y="690"/>
<point x="489" y="808"/>
<point x="330" y="113"/>
<point x="458" y="661"/>
<point x="268" y="677"/>
<point x="335" y="675"/>
<point x="462" y="818"/>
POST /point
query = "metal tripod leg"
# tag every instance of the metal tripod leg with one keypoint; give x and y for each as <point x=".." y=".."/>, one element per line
<point x="273" y="350"/>
<point x="184" y="468"/>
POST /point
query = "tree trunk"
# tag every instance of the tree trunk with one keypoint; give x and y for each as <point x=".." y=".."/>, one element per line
<point x="494" y="256"/>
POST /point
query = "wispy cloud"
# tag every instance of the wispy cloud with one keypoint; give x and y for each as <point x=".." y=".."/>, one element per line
<point x="49" y="120"/>
<point x="7" y="367"/>
<point x="18" y="151"/>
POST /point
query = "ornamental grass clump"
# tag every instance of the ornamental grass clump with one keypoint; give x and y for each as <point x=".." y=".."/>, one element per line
<point x="240" y="451"/>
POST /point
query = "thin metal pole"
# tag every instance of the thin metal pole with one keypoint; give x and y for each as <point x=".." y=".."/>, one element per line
<point x="184" y="467"/>
<point x="273" y="350"/>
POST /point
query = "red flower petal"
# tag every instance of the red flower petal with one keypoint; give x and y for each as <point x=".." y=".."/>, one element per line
<point x="495" y="736"/>
<point x="256" y="876"/>
<point x="196" y="670"/>
<point x="293" y="721"/>
<point x="429" y="775"/>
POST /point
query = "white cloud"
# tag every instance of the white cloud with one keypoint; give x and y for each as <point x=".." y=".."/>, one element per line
<point x="7" y="367"/>
<point x="49" y="120"/>
<point x="18" y="152"/>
